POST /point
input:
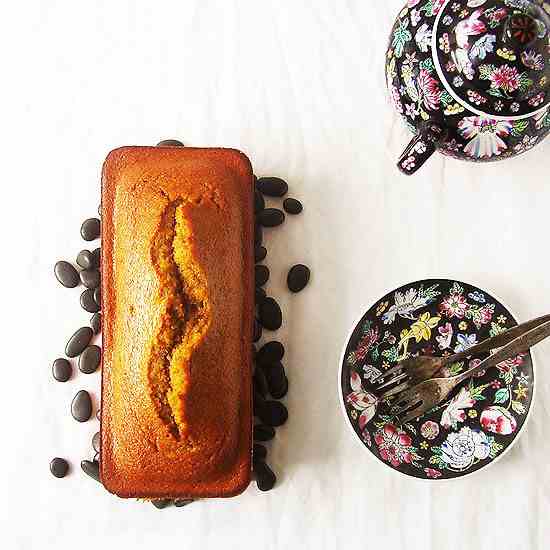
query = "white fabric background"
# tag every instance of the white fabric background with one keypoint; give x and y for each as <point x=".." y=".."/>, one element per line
<point x="298" y="85"/>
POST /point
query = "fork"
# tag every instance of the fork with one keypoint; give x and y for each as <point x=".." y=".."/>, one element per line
<point x="428" y="394"/>
<point x="412" y="371"/>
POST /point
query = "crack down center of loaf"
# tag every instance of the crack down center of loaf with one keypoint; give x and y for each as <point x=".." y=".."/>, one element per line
<point x="185" y="320"/>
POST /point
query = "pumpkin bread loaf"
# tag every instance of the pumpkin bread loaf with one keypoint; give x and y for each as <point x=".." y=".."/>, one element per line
<point x="177" y="264"/>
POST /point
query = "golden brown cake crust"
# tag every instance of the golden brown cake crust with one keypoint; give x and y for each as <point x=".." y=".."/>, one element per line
<point x="177" y="267"/>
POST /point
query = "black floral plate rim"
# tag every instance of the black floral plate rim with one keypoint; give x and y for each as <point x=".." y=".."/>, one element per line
<point x="365" y="310"/>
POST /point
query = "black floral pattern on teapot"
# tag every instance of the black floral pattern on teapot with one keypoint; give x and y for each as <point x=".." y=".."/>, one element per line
<point x="471" y="78"/>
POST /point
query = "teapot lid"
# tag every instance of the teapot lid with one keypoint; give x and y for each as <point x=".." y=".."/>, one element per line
<point x="493" y="56"/>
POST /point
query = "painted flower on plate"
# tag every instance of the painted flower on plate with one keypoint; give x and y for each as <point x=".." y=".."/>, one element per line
<point x="498" y="420"/>
<point x="532" y="60"/>
<point x="537" y="100"/>
<point x="473" y="363"/>
<point x="450" y="67"/>
<point x="382" y="306"/>
<point x="411" y="110"/>
<point x="525" y="29"/>
<point x="423" y="37"/>
<point x="509" y="368"/>
<point x="409" y="163"/>
<point x="369" y="338"/>
<point x="461" y="449"/>
<point x="454" y="411"/>
<point x="506" y="78"/>
<point x="445" y="336"/>
<point x="481" y="315"/>
<point x="416" y="16"/>
<point x="454" y="305"/>
<point x="519" y="4"/>
<point x="406" y="303"/>
<point x="410" y="59"/>
<point x="476" y="97"/>
<point x="523" y="378"/>
<point x="422" y="329"/>
<point x="495" y="16"/>
<point x="521" y="392"/>
<point x="528" y="142"/>
<point x="394" y="445"/>
<point x="444" y="43"/>
<point x="367" y="437"/>
<point x="453" y="146"/>
<point x="396" y="99"/>
<point x="429" y="430"/>
<point x="407" y="74"/>
<point x="432" y="473"/>
<point x="507" y="54"/>
<point x="463" y="63"/>
<point x="361" y="400"/>
<point x="453" y="109"/>
<point x="465" y="341"/>
<point x="485" y="135"/>
<point x="483" y="46"/>
<point x="472" y="26"/>
<point x="420" y="148"/>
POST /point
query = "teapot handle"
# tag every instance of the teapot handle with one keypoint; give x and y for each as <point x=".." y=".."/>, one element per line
<point x="421" y="148"/>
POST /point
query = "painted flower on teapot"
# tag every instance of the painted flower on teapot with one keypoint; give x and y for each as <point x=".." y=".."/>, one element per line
<point x="471" y="78"/>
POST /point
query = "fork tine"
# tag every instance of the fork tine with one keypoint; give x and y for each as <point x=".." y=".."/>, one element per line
<point x="393" y="380"/>
<point x="404" y="396"/>
<point x="394" y="391"/>
<point x="390" y="372"/>
<point x="407" y="404"/>
<point x="415" y="413"/>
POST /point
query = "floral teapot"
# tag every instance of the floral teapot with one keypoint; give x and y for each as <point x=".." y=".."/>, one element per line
<point x="471" y="78"/>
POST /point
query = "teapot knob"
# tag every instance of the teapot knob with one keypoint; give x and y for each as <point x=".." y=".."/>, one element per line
<point x="421" y="148"/>
<point x="521" y="30"/>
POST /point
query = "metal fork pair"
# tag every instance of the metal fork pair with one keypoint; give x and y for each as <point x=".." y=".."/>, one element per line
<point x="417" y="392"/>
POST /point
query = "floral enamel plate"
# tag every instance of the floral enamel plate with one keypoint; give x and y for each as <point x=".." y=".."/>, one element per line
<point x="478" y="422"/>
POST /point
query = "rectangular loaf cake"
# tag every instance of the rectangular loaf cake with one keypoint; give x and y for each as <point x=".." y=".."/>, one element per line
<point x="177" y="264"/>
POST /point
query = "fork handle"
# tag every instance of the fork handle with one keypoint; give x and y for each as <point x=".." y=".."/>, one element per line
<point x="497" y="341"/>
<point x="520" y="345"/>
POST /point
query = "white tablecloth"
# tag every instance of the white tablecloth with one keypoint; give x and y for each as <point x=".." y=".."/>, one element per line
<point x="298" y="85"/>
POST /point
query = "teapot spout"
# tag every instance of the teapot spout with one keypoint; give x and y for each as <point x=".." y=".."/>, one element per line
<point x="421" y="148"/>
